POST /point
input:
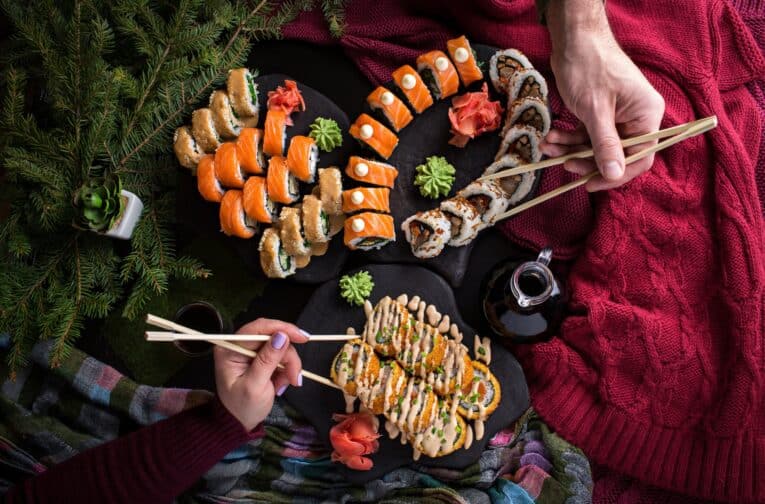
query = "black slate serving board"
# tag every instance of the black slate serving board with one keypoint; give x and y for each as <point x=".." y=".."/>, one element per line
<point x="327" y="313"/>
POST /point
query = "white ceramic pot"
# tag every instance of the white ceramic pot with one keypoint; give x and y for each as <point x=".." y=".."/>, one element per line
<point x="126" y="223"/>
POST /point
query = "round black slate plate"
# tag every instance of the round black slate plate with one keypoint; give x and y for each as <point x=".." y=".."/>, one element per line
<point x="327" y="313"/>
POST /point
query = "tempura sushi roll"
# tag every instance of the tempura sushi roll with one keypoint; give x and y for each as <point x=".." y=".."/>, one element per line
<point x="522" y="141"/>
<point x="384" y="395"/>
<point x="243" y="93"/>
<point x="331" y="190"/>
<point x="421" y="350"/>
<point x="371" y="172"/>
<point x="374" y="135"/>
<point x="464" y="218"/>
<point x="488" y="198"/>
<point x="355" y="364"/>
<point x="438" y="73"/>
<point x="275" y="133"/>
<point x="376" y="199"/>
<point x="186" y="148"/>
<point x="257" y="204"/>
<point x="410" y="83"/>
<point x="281" y="184"/>
<point x="455" y="372"/>
<point x="415" y="408"/>
<point x="291" y="232"/>
<point x="227" y="124"/>
<point x="274" y="260"/>
<point x="427" y="233"/>
<point x="464" y="59"/>
<point x="315" y="220"/>
<point x="233" y="219"/>
<point x="527" y="83"/>
<point x="227" y="167"/>
<point x="391" y="106"/>
<point x="445" y="436"/>
<point x="503" y="65"/>
<point x="387" y="325"/>
<point x="302" y="156"/>
<point x="369" y="231"/>
<point x="203" y="129"/>
<point x="484" y="395"/>
<point x="515" y="187"/>
<point x="207" y="183"/>
<point x="529" y="112"/>
<point x="250" y="152"/>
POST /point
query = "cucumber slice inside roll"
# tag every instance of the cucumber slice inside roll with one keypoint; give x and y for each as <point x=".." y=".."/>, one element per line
<point x="285" y="261"/>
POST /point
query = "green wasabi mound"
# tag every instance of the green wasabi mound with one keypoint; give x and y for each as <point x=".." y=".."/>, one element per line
<point x="435" y="177"/>
<point x="326" y="133"/>
<point x="356" y="288"/>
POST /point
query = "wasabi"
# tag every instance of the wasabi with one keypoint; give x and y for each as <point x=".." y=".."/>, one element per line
<point x="356" y="288"/>
<point x="326" y="133"/>
<point x="435" y="177"/>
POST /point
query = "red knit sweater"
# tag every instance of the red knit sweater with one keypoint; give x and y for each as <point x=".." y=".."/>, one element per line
<point x="154" y="464"/>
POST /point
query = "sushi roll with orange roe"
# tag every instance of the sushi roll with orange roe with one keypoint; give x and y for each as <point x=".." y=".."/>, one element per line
<point x="233" y="220"/>
<point x="207" y="183"/>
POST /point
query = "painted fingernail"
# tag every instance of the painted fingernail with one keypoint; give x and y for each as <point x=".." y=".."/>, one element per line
<point x="300" y="379"/>
<point x="278" y="340"/>
<point x="281" y="390"/>
<point x="613" y="170"/>
<point x="305" y="333"/>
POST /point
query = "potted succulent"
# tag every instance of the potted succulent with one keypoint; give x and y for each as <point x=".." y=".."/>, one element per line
<point x="104" y="207"/>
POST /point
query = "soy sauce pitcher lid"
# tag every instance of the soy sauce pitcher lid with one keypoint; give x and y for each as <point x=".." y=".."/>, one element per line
<point x="532" y="283"/>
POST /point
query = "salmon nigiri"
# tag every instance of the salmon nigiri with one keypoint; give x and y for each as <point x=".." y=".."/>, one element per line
<point x="371" y="172"/>
<point x="439" y="73"/>
<point x="275" y="132"/>
<point x="372" y="133"/>
<point x="464" y="59"/>
<point x="256" y="202"/>
<point x="410" y="83"/>
<point x="248" y="150"/>
<point x="392" y="107"/>
<point x="207" y="184"/>
<point x="366" y="198"/>
<point x="281" y="184"/>
<point x="302" y="157"/>
<point x="368" y="231"/>
<point x="233" y="220"/>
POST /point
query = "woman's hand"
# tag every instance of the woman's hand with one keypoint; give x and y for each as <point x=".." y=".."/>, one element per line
<point x="604" y="89"/>
<point x="247" y="387"/>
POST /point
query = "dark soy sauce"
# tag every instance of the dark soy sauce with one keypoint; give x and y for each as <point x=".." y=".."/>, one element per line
<point x="202" y="317"/>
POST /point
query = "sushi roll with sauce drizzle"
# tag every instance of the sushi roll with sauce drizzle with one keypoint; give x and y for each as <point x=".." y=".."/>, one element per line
<point x="376" y="199"/>
<point x="374" y="135"/>
<point x="355" y="363"/>
<point x="186" y="148"/>
<point x="369" y="231"/>
<point x="249" y="151"/>
<point x="302" y="156"/>
<point x="503" y="65"/>
<point x="530" y="112"/>
<point x="243" y="94"/>
<point x="515" y="187"/>
<point x="371" y="172"/>
<point x="203" y="129"/>
<point x="483" y="397"/>
<point x="281" y="184"/>
<point x="226" y="121"/>
<point x="391" y="106"/>
<point x="427" y="233"/>
<point x="274" y="260"/>
<point x="527" y="83"/>
<point x="257" y="204"/>
<point x="411" y="85"/>
<point x="233" y="219"/>
<point x="315" y="220"/>
<point x="438" y="73"/>
<point x="465" y="60"/>
<point x="464" y="218"/>
<point x="488" y="198"/>
<point x="275" y="133"/>
<point x="387" y="323"/>
<point x="331" y="190"/>
<point x="207" y="183"/>
<point x="227" y="167"/>
<point x="522" y="141"/>
<point x="291" y="232"/>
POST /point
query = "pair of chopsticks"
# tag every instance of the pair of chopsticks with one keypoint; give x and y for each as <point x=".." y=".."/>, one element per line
<point x="673" y="135"/>
<point x="183" y="333"/>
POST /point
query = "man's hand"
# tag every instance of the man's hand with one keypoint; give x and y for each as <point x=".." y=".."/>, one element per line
<point x="604" y="89"/>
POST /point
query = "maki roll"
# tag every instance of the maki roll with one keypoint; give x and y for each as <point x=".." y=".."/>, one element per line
<point x="207" y="183"/>
<point x="465" y="220"/>
<point x="226" y="121"/>
<point x="376" y="199"/>
<point x="527" y="83"/>
<point x="291" y="232"/>
<point x="354" y="364"/>
<point x="465" y="60"/>
<point x="374" y="135"/>
<point x="438" y="73"/>
<point x="331" y="190"/>
<point x="522" y="141"/>
<point x="369" y="231"/>
<point x="371" y="172"/>
<point x="227" y="167"/>
<point x="203" y="129"/>
<point x="416" y="92"/>
<point x="257" y="204"/>
<point x="243" y="93"/>
<point x="281" y="184"/>
<point x="249" y="152"/>
<point x="274" y="260"/>
<point x="503" y="65"/>
<point x="515" y="187"/>
<point x="275" y="133"/>
<point x="390" y="384"/>
<point x="233" y="220"/>
<point x="186" y="148"/>
<point x="488" y="198"/>
<point x="446" y="434"/>
<point x="391" y="106"/>
<point x="427" y="233"/>
<point x="315" y="221"/>
<point x="302" y="156"/>
<point x="484" y="395"/>
<point x="388" y="323"/>
<point x="531" y="112"/>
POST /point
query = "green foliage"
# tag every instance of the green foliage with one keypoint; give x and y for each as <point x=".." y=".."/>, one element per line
<point x="99" y="203"/>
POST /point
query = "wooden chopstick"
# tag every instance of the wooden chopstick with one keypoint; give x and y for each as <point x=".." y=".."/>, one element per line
<point x="170" y="325"/>
<point x="628" y="142"/>
<point x="174" y="336"/>
<point x="698" y="128"/>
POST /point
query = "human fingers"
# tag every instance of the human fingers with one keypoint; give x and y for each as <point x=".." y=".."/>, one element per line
<point x="280" y="381"/>
<point x="609" y="155"/>
<point x="230" y="365"/>
<point x="271" y="326"/>
<point x="576" y="137"/>
<point x="268" y="359"/>
<point x="292" y="366"/>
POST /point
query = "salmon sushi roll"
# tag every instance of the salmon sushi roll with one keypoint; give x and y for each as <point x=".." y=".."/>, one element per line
<point x="427" y="233"/>
<point x="416" y="92"/>
<point x="438" y="73"/>
<point x="226" y="121"/>
<point x="203" y="129"/>
<point x="243" y="93"/>
<point x="233" y="219"/>
<point x="274" y="260"/>
<point x="302" y="157"/>
<point x="465" y="60"/>
<point x="374" y="135"/>
<point x="257" y="204"/>
<point x="207" y="183"/>
<point x="291" y="232"/>
<point x="249" y="151"/>
<point x="186" y="149"/>
<point x="275" y="133"/>
<point x="391" y="106"/>
<point x="282" y="186"/>
<point x="227" y="167"/>
<point x="369" y="231"/>
<point x="376" y="199"/>
<point x="316" y="223"/>
<point x="331" y="190"/>
<point x="371" y="172"/>
<point x="356" y="364"/>
<point x="483" y="395"/>
<point x="503" y="65"/>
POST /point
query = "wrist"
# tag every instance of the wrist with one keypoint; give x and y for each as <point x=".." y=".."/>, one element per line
<point x="574" y="22"/>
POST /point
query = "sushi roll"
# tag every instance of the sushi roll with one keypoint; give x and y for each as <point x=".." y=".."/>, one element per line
<point x="484" y="395"/>
<point x="421" y="350"/>
<point x="227" y="124"/>
<point x="455" y="371"/>
<point x="527" y="83"/>
<point x="207" y="183"/>
<point x="203" y="129"/>
<point x="515" y="187"/>
<point x="390" y="384"/>
<point x="464" y="218"/>
<point x="275" y="133"/>
<point x="355" y="363"/>
<point x="331" y="190"/>
<point x="371" y="172"/>
<point x="186" y="148"/>
<point x="243" y="93"/>
<point x="369" y="231"/>
<point x="315" y="220"/>
<point x="233" y="219"/>
<point x="388" y="323"/>
<point x="227" y="167"/>
<point x="411" y="85"/>
<point x="319" y="248"/>
<point x="257" y="204"/>
<point x="391" y="106"/>
<point x="465" y="60"/>
<point x="249" y="151"/>
<point x="282" y="186"/>
<point x="374" y="135"/>
<point x="274" y="260"/>
<point x="427" y="233"/>
<point x="531" y="112"/>
<point x="522" y="141"/>
<point x="503" y="65"/>
<point x="488" y="198"/>
<point x="416" y="407"/>
<point x="444" y="436"/>
<point x="376" y="199"/>
<point x="291" y="232"/>
<point x="302" y="156"/>
<point x="438" y="73"/>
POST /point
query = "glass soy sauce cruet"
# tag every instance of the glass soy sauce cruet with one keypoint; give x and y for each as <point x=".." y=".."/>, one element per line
<point x="522" y="301"/>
